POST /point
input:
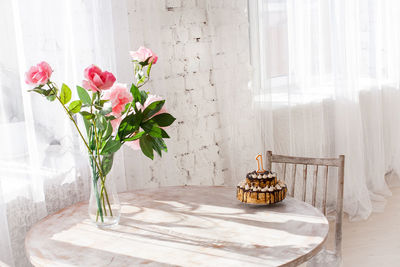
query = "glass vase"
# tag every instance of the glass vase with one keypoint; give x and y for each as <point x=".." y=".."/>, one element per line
<point x="104" y="205"/>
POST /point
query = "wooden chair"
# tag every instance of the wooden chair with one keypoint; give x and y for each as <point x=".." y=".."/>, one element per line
<point x="325" y="257"/>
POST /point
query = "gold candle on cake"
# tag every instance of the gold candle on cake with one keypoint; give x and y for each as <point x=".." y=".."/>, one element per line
<point x="261" y="186"/>
<point x="259" y="160"/>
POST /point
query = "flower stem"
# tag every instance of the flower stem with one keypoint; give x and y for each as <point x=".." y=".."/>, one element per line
<point x="108" y="201"/>
<point x="77" y="128"/>
<point x="138" y="86"/>
<point x="95" y="159"/>
<point x="103" y="190"/>
<point x="99" y="210"/>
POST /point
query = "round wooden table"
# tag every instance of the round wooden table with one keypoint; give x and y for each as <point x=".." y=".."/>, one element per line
<point x="182" y="226"/>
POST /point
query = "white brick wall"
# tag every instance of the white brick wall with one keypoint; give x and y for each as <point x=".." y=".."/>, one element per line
<point x="200" y="44"/>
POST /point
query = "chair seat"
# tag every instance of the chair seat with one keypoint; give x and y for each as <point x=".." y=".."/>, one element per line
<point x="325" y="258"/>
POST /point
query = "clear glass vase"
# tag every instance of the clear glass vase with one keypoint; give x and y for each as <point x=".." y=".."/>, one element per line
<point x="104" y="205"/>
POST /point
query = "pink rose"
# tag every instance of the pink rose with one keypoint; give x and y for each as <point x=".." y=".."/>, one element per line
<point x="119" y="96"/>
<point x="97" y="79"/>
<point x="39" y="74"/>
<point x="143" y="54"/>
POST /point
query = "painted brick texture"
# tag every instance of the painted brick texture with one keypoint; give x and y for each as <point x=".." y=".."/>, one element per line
<point x="203" y="49"/>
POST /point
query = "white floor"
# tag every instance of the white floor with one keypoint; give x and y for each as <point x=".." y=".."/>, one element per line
<point x="376" y="241"/>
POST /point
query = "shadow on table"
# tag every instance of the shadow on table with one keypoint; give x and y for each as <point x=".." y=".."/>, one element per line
<point x="159" y="226"/>
<point x="245" y="253"/>
<point x="221" y="207"/>
<point x="86" y="256"/>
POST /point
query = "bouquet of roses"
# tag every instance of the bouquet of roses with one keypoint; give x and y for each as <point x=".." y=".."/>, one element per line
<point x="113" y="115"/>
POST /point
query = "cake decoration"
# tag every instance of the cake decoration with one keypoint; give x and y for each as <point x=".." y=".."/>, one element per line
<point x="261" y="186"/>
<point x="260" y="164"/>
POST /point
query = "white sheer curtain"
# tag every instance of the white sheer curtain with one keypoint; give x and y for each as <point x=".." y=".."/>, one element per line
<point x="43" y="167"/>
<point x="326" y="82"/>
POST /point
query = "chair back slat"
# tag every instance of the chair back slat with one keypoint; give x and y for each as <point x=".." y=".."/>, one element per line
<point x="284" y="171"/>
<point x="294" y="180"/>
<point x="269" y="160"/>
<point x="303" y="160"/>
<point x="304" y="181"/>
<point x="314" y="192"/>
<point x="339" y="214"/>
<point x="316" y="162"/>
<point x="325" y="190"/>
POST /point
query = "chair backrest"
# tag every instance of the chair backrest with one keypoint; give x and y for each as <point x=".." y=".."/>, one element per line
<point x="317" y="163"/>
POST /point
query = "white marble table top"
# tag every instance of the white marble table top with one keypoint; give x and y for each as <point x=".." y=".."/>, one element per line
<point x="182" y="226"/>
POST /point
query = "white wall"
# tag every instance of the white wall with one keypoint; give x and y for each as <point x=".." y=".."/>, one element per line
<point x="203" y="49"/>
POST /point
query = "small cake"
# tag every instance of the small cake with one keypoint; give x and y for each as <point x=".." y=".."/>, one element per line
<point x="261" y="188"/>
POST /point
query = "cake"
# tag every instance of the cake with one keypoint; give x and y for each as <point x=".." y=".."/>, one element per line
<point x="261" y="188"/>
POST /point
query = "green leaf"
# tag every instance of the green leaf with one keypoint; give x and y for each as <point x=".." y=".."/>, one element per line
<point x="156" y="132"/>
<point x="108" y="131"/>
<point x="159" y="146"/>
<point x="144" y="96"/>
<point x="129" y="125"/>
<point x="135" y="137"/>
<point x="38" y="90"/>
<point x="159" y="142"/>
<point x="65" y="95"/>
<point x="106" y="163"/>
<point x="164" y="134"/>
<point x="125" y="109"/>
<point x="110" y="118"/>
<point x="163" y="119"/>
<point x="141" y="79"/>
<point x="146" y="145"/>
<point x="148" y="125"/>
<point x="83" y="95"/>
<point x="153" y="108"/>
<point x="135" y="93"/>
<point x="126" y="126"/>
<point x="51" y="97"/>
<point x="149" y="68"/>
<point x="49" y="92"/>
<point x="75" y="106"/>
<point x="101" y="122"/>
<point x="87" y="125"/>
<point x="87" y="115"/>
<point x="106" y="110"/>
<point x="157" y="149"/>
<point x="111" y="146"/>
<point x="152" y="129"/>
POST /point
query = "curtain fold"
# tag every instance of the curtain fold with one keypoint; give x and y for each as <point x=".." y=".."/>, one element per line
<point x="328" y="76"/>
<point x="43" y="165"/>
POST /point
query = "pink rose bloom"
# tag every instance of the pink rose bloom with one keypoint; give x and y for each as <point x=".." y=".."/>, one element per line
<point x="142" y="54"/>
<point x="119" y="96"/>
<point x="97" y="79"/>
<point x="39" y="74"/>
